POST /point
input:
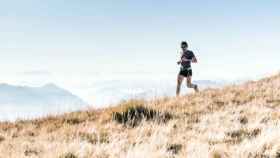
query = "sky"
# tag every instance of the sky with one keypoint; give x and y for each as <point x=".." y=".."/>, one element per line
<point x="70" y="41"/>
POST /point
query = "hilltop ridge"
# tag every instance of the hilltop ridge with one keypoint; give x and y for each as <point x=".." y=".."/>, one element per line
<point x="234" y="121"/>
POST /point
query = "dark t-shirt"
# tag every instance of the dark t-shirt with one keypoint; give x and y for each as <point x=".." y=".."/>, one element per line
<point x="187" y="55"/>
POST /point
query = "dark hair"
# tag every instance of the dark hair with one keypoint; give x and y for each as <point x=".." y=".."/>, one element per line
<point x="184" y="43"/>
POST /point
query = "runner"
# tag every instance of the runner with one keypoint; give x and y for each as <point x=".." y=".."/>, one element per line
<point x="187" y="57"/>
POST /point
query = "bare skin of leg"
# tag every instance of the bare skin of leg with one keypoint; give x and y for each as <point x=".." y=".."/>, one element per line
<point x="190" y="85"/>
<point x="179" y="82"/>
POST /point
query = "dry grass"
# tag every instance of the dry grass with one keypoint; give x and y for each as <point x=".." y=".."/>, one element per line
<point x="236" y="121"/>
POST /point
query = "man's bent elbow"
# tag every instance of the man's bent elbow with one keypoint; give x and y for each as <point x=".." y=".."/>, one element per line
<point x="194" y="60"/>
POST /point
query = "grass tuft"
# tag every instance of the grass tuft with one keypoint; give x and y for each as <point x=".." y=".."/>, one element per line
<point x="31" y="152"/>
<point x="2" y="138"/>
<point x="239" y="135"/>
<point x="68" y="155"/>
<point x="133" y="115"/>
<point x="174" y="148"/>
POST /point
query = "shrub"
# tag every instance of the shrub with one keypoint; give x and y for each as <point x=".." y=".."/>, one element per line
<point x="238" y="135"/>
<point x="68" y="155"/>
<point x="243" y="120"/>
<point x="2" y="138"/>
<point x="174" y="148"/>
<point x="73" y="121"/>
<point x="89" y="137"/>
<point x="30" y="152"/>
<point x="278" y="154"/>
<point x="133" y="115"/>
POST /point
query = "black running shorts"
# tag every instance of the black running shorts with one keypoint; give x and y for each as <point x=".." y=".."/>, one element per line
<point x="186" y="72"/>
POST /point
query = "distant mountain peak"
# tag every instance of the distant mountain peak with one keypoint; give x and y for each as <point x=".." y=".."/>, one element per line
<point x="29" y="101"/>
<point x="51" y="85"/>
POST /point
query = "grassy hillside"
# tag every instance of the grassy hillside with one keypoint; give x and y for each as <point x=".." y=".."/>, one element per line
<point x="235" y="121"/>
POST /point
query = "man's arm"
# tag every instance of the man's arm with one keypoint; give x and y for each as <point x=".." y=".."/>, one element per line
<point x="180" y="61"/>
<point x="194" y="60"/>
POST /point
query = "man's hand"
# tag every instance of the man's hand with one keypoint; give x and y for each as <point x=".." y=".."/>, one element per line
<point x="194" y="60"/>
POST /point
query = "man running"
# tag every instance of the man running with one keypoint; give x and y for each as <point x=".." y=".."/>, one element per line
<point x="187" y="57"/>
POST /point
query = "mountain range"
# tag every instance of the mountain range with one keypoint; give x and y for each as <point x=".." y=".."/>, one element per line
<point x="25" y="101"/>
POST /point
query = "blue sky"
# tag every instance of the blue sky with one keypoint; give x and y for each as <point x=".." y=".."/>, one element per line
<point x="232" y="39"/>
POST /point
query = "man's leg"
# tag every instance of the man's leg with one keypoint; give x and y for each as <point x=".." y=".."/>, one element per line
<point x="179" y="82"/>
<point x="190" y="85"/>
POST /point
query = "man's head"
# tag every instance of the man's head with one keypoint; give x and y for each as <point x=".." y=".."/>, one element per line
<point x="184" y="45"/>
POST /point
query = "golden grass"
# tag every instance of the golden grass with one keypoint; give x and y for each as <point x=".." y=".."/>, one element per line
<point x="235" y="121"/>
